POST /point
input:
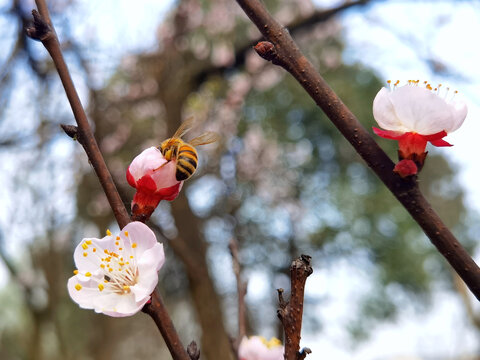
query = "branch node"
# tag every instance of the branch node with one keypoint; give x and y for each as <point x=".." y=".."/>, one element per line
<point x="70" y="130"/>
<point x="40" y="30"/>
<point x="303" y="263"/>
<point x="281" y="300"/>
<point x="303" y="353"/>
<point x="193" y="351"/>
<point x="267" y="51"/>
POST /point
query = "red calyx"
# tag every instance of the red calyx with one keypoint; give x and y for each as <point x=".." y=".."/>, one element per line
<point x="412" y="145"/>
<point x="406" y="168"/>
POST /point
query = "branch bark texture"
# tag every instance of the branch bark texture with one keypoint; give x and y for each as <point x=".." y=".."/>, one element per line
<point x="291" y="312"/>
<point x="157" y="310"/>
<point x="283" y="51"/>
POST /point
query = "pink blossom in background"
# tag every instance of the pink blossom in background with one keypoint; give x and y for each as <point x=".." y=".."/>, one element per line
<point x="258" y="348"/>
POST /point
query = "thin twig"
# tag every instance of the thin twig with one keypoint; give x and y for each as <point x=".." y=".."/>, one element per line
<point x="44" y="31"/>
<point x="294" y="27"/>
<point x="241" y="292"/>
<point x="283" y="51"/>
<point x="157" y="310"/>
<point x="291" y="312"/>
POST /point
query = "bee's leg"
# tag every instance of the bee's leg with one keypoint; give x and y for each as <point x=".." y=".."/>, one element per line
<point x="161" y="165"/>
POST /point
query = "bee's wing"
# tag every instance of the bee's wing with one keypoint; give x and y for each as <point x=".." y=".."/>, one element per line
<point x="207" y="138"/>
<point x="182" y="130"/>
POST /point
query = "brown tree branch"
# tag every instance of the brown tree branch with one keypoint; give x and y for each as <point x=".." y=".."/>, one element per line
<point x="44" y="31"/>
<point x="157" y="310"/>
<point x="283" y="51"/>
<point x="291" y="312"/>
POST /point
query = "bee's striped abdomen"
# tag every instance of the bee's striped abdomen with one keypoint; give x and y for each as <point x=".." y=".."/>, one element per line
<point x="186" y="162"/>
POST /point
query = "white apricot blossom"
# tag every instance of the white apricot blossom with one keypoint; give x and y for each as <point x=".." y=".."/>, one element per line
<point x="258" y="348"/>
<point x="418" y="109"/>
<point x="415" y="114"/>
<point x="117" y="274"/>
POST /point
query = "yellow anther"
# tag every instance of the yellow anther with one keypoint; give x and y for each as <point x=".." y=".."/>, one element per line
<point x="85" y="254"/>
<point x="75" y="272"/>
<point x="389" y="81"/>
<point x="84" y="246"/>
<point x="127" y="263"/>
<point x="89" y="242"/>
<point x="121" y="263"/>
<point x="126" y="233"/>
<point x="120" y="249"/>
<point x="78" y="287"/>
<point x="126" y="288"/>
<point x="105" y="281"/>
<point x="109" y="232"/>
<point x="110" y="269"/>
<point x="116" y="243"/>
<point x="274" y="342"/>
<point x="88" y="273"/>
<point x="94" y="249"/>
<point x="102" y="266"/>
<point x="131" y="256"/>
<point x="101" y="287"/>
<point x="134" y="245"/>
<point x="118" y="237"/>
<point x="105" y="251"/>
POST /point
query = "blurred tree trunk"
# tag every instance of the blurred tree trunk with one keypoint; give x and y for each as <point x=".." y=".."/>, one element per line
<point x="215" y="343"/>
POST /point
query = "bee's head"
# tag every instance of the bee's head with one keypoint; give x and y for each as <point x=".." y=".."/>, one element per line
<point x="169" y="148"/>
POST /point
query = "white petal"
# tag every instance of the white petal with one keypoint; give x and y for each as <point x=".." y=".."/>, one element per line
<point x="146" y="161"/>
<point x="86" y="296"/>
<point x="165" y="176"/>
<point x="92" y="260"/>
<point x="384" y="112"/>
<point x="145" y="286"/>
<point x="459" y="113"/>
<point x="139" y="234"/>
<point x="118" y="305"/>
<point x="421" y="110"/>
<point x="151" y="259"/>
<point x="275" y="353"/>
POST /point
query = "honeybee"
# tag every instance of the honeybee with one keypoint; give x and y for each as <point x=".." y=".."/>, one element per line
<point x="185" y="154"/>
